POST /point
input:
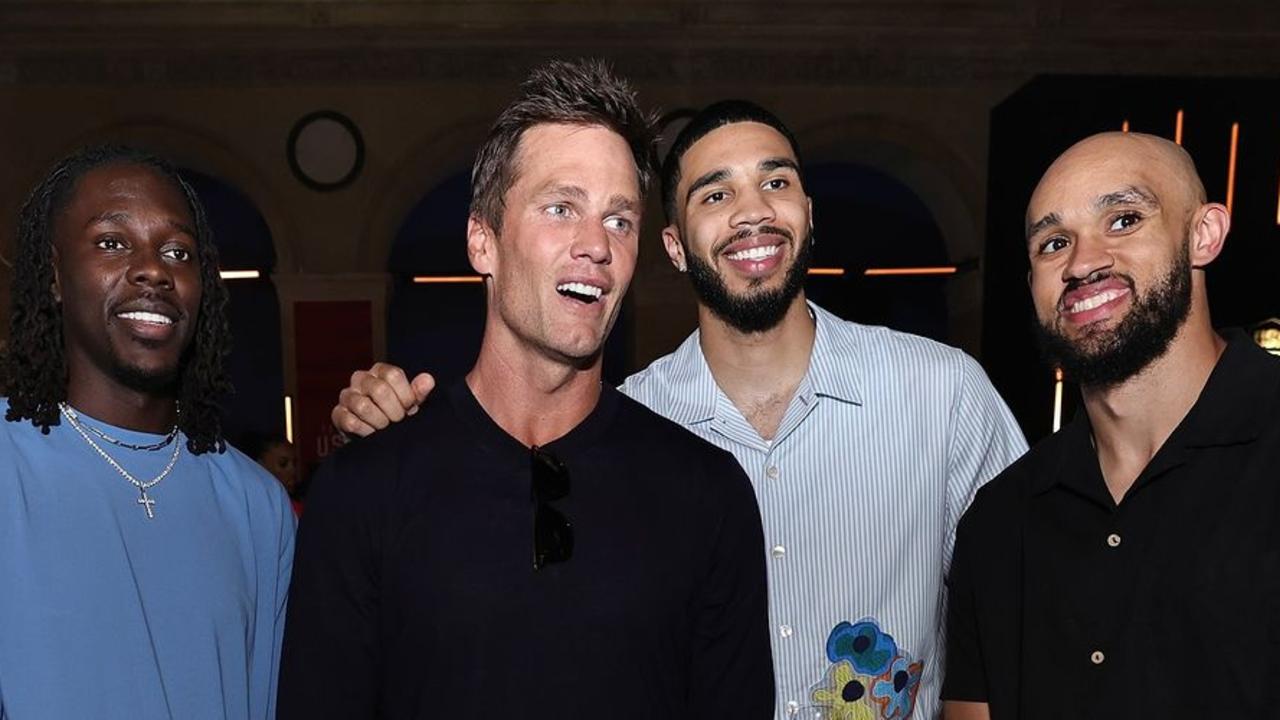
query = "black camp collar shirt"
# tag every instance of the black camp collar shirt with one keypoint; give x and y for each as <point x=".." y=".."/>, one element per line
<point x="1065" y="604"/>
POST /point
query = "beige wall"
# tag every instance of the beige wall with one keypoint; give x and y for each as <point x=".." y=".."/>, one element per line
<point x="905" y="87"/>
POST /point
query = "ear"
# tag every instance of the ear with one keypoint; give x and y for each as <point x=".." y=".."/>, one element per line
<point x="1209" y="230"/>
<point x="675" y="248"/>
<point x="481" y="250"/>
<point x="56" y="289"/>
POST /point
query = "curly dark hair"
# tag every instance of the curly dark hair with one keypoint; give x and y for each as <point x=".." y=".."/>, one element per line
<point x="33" y="370"/>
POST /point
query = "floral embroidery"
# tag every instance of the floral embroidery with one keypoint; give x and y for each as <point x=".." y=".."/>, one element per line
<point x="870" y="677"/>
<point x="896" y="689"/>
<point x="862" y="644"/>
<point x="846" y="694"/>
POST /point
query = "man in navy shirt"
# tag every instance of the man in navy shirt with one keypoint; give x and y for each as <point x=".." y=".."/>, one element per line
<point x="536" y="544"/>
<point x="1129" y="565"/>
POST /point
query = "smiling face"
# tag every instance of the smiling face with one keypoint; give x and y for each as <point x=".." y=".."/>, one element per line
<point x="127" y="276"/>
<point x="744" y="227"/>
<point x="561" y="265"/>
<point x="1109" y="240"/>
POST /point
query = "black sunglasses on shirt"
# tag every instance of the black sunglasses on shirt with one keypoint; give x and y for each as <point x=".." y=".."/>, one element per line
<point x="552" y="531"/>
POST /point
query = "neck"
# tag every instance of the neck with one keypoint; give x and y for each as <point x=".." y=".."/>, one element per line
<point x="759" y="372"/>
<point x="123" y="407"/>
<point x="1131" y="421"/>
<point x="534" y="398"/>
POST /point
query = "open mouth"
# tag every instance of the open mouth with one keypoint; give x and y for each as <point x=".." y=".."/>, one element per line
<point x="582" y="292"/>
<point x="1094" y="301"/>
<point x="756" y="254"/>
<point x="149" y="318"/>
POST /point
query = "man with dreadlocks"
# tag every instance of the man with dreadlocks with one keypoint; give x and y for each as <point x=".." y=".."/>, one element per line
<point x="145" y="566"/>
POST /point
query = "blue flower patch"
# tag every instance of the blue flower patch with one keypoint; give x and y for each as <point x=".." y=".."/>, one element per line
<point x="864" y="645"/>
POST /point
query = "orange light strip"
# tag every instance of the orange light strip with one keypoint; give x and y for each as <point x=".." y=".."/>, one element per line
<point x="1231" y="165"/>
<point x="288" y="418"/>
<point x="434" y="279"/>
<point x="1124" y="126"/>
<point x="239" y="274"/>
<point x="1057" y="399"/>
<point x="826" y="271"/>
<point x="941" y="270"/>
<point x="1177" y="129"/>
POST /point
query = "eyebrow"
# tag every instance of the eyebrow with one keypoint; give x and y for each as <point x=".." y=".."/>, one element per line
<point x="623" y="203"/>
<point x="115" y="216"/>
<point x="776" y="163"/>
<point x="714" y="176"/>
<point x="563" y="190"/>
<point x="617" y="203"/>
<point x="1130" y="195"/>
<point x="1051" y="219"/>
<point x="121" y="217"/>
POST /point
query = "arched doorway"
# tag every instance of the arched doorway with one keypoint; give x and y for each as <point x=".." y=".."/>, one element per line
<point x="866" y="219"/>
<point x="253" y="310"/>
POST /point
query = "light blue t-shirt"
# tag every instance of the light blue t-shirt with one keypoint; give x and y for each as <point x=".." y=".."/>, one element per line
<point x="105" y="613"/>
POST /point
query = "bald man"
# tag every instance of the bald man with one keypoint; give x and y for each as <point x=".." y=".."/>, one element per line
<point x="1128" y="566"/>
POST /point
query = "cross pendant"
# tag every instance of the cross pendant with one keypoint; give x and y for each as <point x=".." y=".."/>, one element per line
<point x="147" y="503"/>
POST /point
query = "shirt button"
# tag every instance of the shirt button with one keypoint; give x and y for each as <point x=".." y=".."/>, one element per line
<point x="1097" y="657"/>
<point x="793" y="708"/>
<point x="785" y="631"/>
<point x="772" y="472"/>
<point x="778" y="551"/>
<point x="1113" y="540"/>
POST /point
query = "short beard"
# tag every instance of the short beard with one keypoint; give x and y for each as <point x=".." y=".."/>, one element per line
<point x="752" y="312"/>
<point x="1107" y="358"/>
<point x="159" y="383"/>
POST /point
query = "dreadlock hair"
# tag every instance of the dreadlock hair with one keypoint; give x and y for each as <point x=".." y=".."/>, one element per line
<point x="580" y="92"/>
<point x="33" y="369"/>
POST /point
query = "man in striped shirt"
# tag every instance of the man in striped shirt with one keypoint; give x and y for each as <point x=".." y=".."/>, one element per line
<point x="864" y="445"/>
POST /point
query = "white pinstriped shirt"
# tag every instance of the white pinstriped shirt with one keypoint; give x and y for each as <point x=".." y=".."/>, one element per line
<point x="879" y="453"/>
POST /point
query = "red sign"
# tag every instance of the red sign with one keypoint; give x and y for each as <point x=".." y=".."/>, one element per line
<point x="332" y="339"/>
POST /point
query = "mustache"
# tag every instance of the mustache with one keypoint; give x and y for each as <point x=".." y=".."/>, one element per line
<point x="750" y="232"/>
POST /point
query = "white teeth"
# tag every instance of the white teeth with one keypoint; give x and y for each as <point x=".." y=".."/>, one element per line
<point x="580" y="289"/>
<point x="756" y="253"/>
<point x="148" y="317"/>
<point x="1094" y="301"/>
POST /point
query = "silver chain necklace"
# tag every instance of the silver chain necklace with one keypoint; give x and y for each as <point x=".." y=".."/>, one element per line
<point x="74" y="416"/>
<point x="144" y="499"/>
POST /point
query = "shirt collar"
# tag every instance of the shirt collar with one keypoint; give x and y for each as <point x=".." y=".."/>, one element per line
<point x="694" y="390"/>
<point x="833" y="368"/>
<point x="1232" y="409"/>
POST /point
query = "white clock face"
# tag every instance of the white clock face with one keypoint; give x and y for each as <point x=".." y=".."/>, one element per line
<point x="326" y="150"/>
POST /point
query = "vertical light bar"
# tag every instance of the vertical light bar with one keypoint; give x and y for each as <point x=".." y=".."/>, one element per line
<point x="1231" y="165"/>
<point x="1057" y="399"/>
<point x="1124" y="126"/>
<point x="288" y="418"/>
<point x="1177" y="128"/>
<point x="1278" y="209"/>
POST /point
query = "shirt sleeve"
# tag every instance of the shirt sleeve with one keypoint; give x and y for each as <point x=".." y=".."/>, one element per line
<point x="269" y="633"/>
<point x="731" y="673"/>
<point x="331" y="655"/>
<point x="985" y="439"/>
<point x="965" y="677"/>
